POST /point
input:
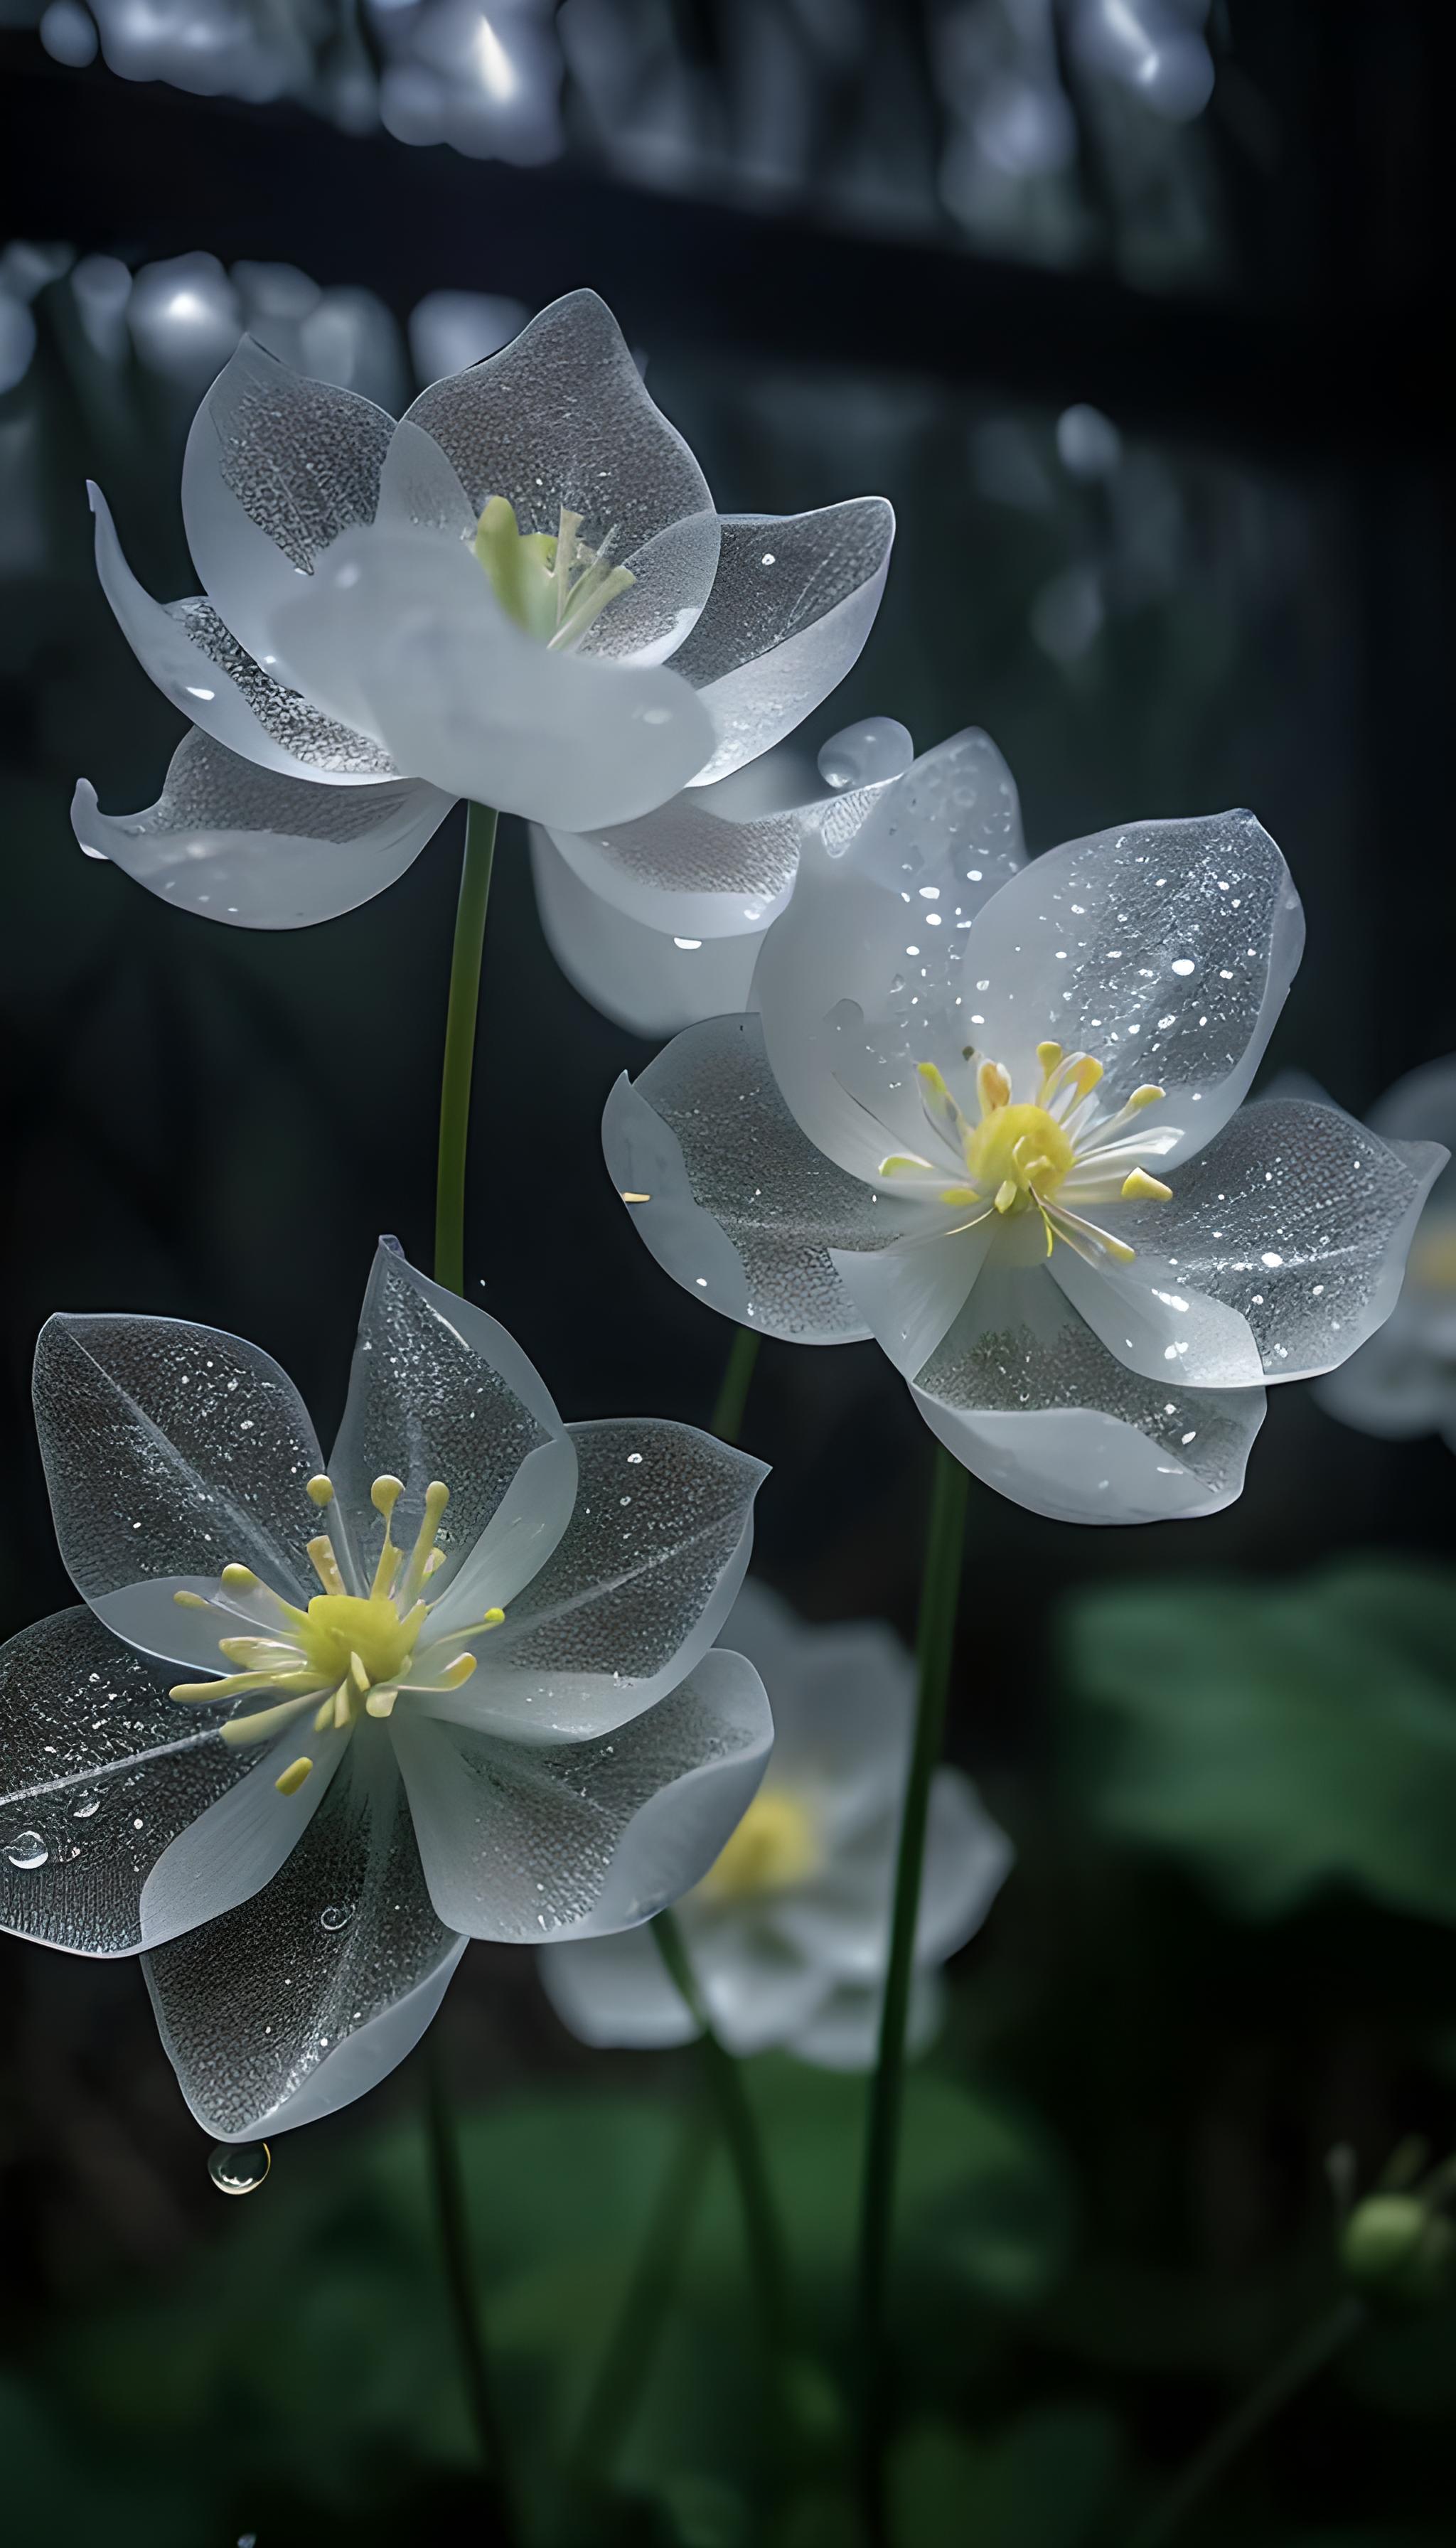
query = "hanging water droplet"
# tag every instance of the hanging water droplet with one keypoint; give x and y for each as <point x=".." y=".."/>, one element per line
<point x="240" y="2167"/>
<point x="335" y="1916"/>
<point x="85" y="1806"/>
<point x="862" y="756"/>
<point x="27" y="1850"/>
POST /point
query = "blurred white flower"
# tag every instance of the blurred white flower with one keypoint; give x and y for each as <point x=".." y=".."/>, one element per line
<point x="950" y="1124"/>
<point x="789" y="1931"/>
<point x="477" y="601"/>
<point x="485" y="1712"/>
<point x="1403" y="1380"/>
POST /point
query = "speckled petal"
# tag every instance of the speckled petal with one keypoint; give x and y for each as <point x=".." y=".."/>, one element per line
<point x="639" y="1586"/>
<point x="527" y="1843"/>
<point x="793" y="601"/>
<point x="304" y="1997"/>
<point x="648" y="981"/>
<point x="909" y="1295"/>
<point x="1152" y="1318"/>
<point x="730" y="1198"/>
<point x="257" y="849"/>
<point x="198" y="664"/>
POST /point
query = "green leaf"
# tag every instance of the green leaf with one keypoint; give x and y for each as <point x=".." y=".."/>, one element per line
<point x="1278" y="1739"/>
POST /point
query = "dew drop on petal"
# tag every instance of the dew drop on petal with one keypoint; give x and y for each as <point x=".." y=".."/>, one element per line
<point x="862" y="756"/>
<point x="335" y="1916"/>
<point x="239" y="2167"/>
<point x="27" y="1850"/>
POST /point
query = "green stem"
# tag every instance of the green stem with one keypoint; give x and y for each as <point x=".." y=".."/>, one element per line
<point x="724" y="2080"/>
<point x="1308" y="2355"/>
<point x="939" y="1595"/>
<point x="738" y="1372"/>
<point x="448" y="2183"/>
<point x="459" y="1022"/>
<point x="627" y="2360"/>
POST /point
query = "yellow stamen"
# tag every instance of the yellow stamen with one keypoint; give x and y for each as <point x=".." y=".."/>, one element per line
<point x="324" y="1716"/>
<point x="268" y="1720"/>
<point x="190" y="1601"/>
<point x="381" y="1702"/>
<point x="259" y="1652"/>
<point x="384" y="1494"/>
<point x="1140" y="1187"/>
<point x="342" y="1708"/>
<point x="436" y="1497"/>
<point x="239" y="1578"/>
<point x="1006" y="1194"/>
<point x="359" y="1675"/>
<point x="294" y="1775"/>
<point x="903" y="1163"/>
<point x="633" y="1197"/>
<point x="320" y="1489"/>
<point x="324" y="1564"/>
<point x="232" y="1686"/>
<point x="992" y="1087"/>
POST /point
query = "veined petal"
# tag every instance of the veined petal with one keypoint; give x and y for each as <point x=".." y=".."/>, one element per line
<point x="275" y="466"/>
<point x="793" y="601"/>
<point x="301" y="1999"/>
<point x="650" y="980"/>
<point x="525" y="1843"/>
<point x="198" y="664"/>
<point x="730" y="1198"/>
<point x="255" y="850"/>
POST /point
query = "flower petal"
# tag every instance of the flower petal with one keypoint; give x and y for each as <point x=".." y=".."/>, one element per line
<point x="1300" y="1218"/>
<point x="1153" y="1319"/>
<point x="439" y="1389"/>
<point x="865" y="974"/>
<point x="237" y="1846"/>
<point x="276" y="466"/>
<point x="909" y="1295"/>
<point x="301" y="1999"/>
<point x="1165" y="950"/>
<point x="845" y="2035"/>
<point x="198" y="664"/>
<point x="968" y="1858"/>
<point x="170" y="1451"/>
<point x="633" y="1595"/>
<point x="525" y="1843"/>
<point x="100" y="1770"/>
<point x="843" y="1700"/>
<point x="728" y="1194"/>
<point x="792" y="603"/>
<point x="402" y="633"/>
<point x="259" y="850"/>
<point x="561" y="420"/>
<point x="616" y="1991"/>
<point x="648" y="981"/>
<point x="760" y="1990"/>
<point x="1402" y="1382"/>
<point x="1024" y="1394"/>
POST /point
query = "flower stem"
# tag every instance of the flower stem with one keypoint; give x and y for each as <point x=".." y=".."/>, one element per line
<point x="939" y="1596"/>
<point x="460" y="1022"/>
<point x="724" y="2080"/>
<point x="733" y="1389"/>
<point x="448" y="2184"/>
<point x="1308" y="2354"/>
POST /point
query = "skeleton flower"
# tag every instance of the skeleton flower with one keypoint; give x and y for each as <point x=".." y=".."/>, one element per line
<point x="313" y="1728"/>
<point x="990" y="1113"/>
<point x="1403" y="1380"/>
<point x="478" y="601"/>
<point x="789" y="1931"/>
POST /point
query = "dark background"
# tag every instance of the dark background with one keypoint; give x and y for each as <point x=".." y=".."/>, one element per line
<point x="216" y="1123"/>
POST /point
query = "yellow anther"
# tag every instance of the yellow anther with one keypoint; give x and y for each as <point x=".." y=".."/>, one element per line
<point x="1146" y="1096"/>
<point x="190" y="1601"/>
<point x="1048" y="1055"/>
<point x="629" y="1196"/>
<point x="239" y="1578"/>
<point x="325" y="1563"/>
<point x="323" y="1716"/>
<point x="232" y="1686"/>
<point x="434" y="1562"/>
<point x="932" y="1078"/>
<point x="385" y="1494"/>
<point x="494" y="1619"/>
<point x="381" y="1702"/>
<point x="992" y="1086"/>
<point x="957" y="1195"/>
<point x="1006" y="1194"/>
<point x="1084" y="1075"/>
<point x="436" y="1497"/>
<point x="358" y="1674"/>
<point x="1140" y="1187"/>
<point x="294" y="1775"/>
<point x="268" y="1720"/>
<point x="342" y="1710"/>
<point x="903" y="1163"/>
<point x="456" y="1672"/>
<point x="320" y="1489"/>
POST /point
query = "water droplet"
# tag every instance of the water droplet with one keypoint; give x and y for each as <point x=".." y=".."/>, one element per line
<point x="27" y="1850"/>
<point x="335" y="1916"/>
<point x="85" y="1806"/>
<point x="862" y="756"/>
<point x="240" y="2167"/>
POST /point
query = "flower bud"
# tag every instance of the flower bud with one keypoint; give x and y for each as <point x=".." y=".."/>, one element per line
<point x="1394" y="2246"/>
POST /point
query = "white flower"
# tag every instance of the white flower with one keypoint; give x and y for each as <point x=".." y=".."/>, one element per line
<point x="485" y="1712"/>
<point x="477" y="600"/>
<point x="990" y="1113"/>
<point x="789" y="1931"/>
<point x="1403" y="1380"/>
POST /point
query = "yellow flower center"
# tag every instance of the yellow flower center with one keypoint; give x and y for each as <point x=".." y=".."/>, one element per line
<point x="552" y="584"/>
<point x="775" y="1846"/>
<point x="1020" y="1146"/>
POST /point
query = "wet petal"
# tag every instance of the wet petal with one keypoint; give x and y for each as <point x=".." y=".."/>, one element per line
<point x="730" y="1198"/>
<point x="237" y="1846"/>
<point x="1151" y="1317"/>
<point x="198" y="664"/>
<point x="275" y="466"/>
<point x="527" y="1843"/>
<point x="909" y="1295"/>
<point x="648" y="981"/>
<point x="256" y="850"/>
<point x="793" y="601"/>
<point x="304" y="1997"/>
<point x="637" y="1589"/>
<point x="171" y="1450"/>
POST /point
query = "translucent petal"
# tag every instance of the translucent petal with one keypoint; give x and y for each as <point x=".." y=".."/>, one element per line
<point x="171" y="1450"/>
<point x="728" y="1194"/>
<point x="639" y="1586"/>
<point x="1300" y="1218"/>
<point x="908" y="1296"/>
<point x="864" y="975"/>
<point x="1402" y="1380"/>
<point x="793" y="601"/>
<point x="844" y="2034"/>
<point x="439" y="1389"/>
<point x="100" y="1770"/>
<point x="1165" y="950"/>
<point x="645" y="979"/>
<point x="301" y="1999"/>
<point x="198" y="664"/>
<point x="402" y="633"/>
<point x="276" y="466"/>
<point x="256" y="850"/>
<point x="968" y="1857"/>
<point x="525" y="1843"/>
<point x="1024" y="1394"/>
<point x="1156" y="1322"/>
<point x="1421" y="1107"/>
<point x="419" y="490"/>
<point x="616" y="1991"/>
<point x="237" y="1846"/>
<point x="843" y="1697"/>
<point x="840" y="1918"/>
